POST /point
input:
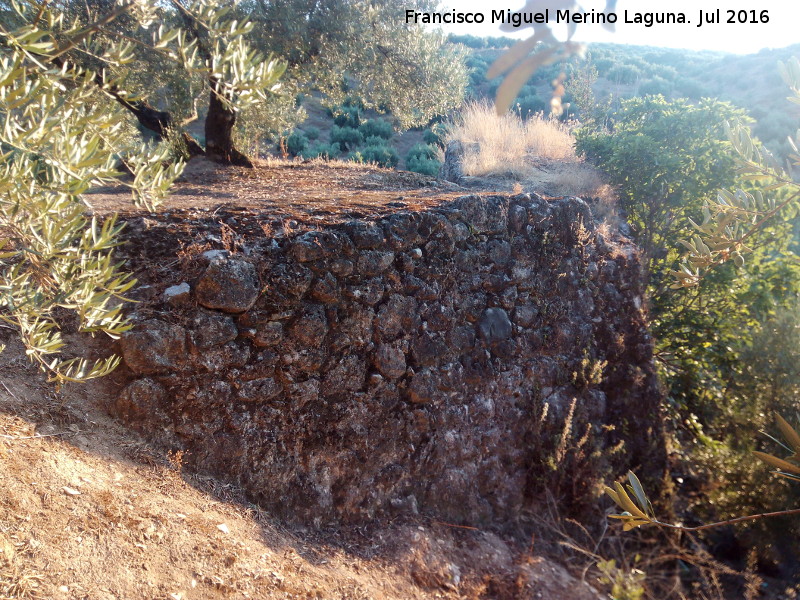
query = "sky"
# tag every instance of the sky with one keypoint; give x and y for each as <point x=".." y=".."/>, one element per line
<point x="739" y="38"/>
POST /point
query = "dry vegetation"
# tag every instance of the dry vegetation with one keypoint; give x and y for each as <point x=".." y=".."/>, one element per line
<point x="538" y="152"/>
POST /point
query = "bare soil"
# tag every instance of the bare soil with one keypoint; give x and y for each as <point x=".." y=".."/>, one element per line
<point x="312" y="192"/>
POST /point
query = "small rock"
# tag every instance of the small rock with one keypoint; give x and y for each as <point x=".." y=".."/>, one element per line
<point x="177" y="295"/>
<point x="259" y="390"/>
<point x="423" y="387"/>
<point x="212" y="329"/>
<point x="139" y="400"/>
<point x="494" y="325"/>
<point x="154" y="347"/>
<point x="390" y="361"/>
<point x="229" y="284"/>
<point x="268" y="334"/>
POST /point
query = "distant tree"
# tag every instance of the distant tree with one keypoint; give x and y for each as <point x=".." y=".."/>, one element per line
<point x="363" y="49"/>
<point x="580" y="85"/>
<point x="186" y="52"/>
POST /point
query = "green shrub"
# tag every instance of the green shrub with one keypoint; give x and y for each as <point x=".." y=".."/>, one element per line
<point x="376" y="127"/>
<point x="321" y="150"/>
<point x="624" y="74"/>
<point x="426" y="166"/>
<point x="656" y="86"/>
<point x="435" y="135"/>
<point x="346" y="138"/>
<point x="531" y="105"/>
<point x="384" y="156"/>
<point x="374" y="140"/>
<point x="347" y="116"/>
<point x="296" y="143"/>
<point x="312" y="133"/>
<point x="422" y="151"/>
<point x="356" y="157"/>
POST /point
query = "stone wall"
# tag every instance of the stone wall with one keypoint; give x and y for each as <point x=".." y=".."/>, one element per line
<point x="397" y="365"/>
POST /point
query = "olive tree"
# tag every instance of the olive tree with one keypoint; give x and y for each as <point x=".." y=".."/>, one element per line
<point x="64" y="129"/>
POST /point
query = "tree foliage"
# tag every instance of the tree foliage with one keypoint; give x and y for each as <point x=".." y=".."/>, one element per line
<point x="664" y="157"/>
<point x="726" y="325"/>
<point x="65" y="75"/>
<point x="60" y="135"/>
<point x="362" y="49"/>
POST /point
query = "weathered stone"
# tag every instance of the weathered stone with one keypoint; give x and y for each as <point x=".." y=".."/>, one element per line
<point x="310" y="328"/>
<point x="437" y="316"/>
<point x="259" y="390"/>
<point x="315" y="245"/>
<point x="286" y="282"/>
<point x="140" y="400"/>
<point x="508" y="298"/>
<point x="592" y="270"/>
<point x="370" y="292"/>
<point x="427" y="349"/>
<point x="423" y="387"/>
<point x="308" y="361"/>
<point x="398" y="315"/>
<point x="499" y="252"/>
<point x="326" y="289"/>
<point x="304" y="392"/>
<point x="229" y="284"/>
<point x="494" y="325"/>
<point x="402" y="230"/>
<point x="347" y="375"/>
<point x="178" y="295"/>
<point x="211" y="329"/>
<point x="517" y="218"/>
<point x="268" y="334"/>
<point x="219" y="358"/>
<point x="213" y="394"/>
<point x="154" y="347"/>
<point x="261" y="365"/>
<point x="484" y="214"/>
<point x="390" y="361"/>
<point x="429" y="292"/>
<point x="496" y="282"/>
<point x="353" y="331"/>
<point x="374" y="262"/>
<point x="462" y="338"/>
<point x="525" y="315"/>
<point x="451" y="169"/>
<point x="341" y="267"/>
<point x="365" y="235"/>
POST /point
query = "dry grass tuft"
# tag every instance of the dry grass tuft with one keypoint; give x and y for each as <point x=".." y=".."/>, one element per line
<point x="538" y="153"/>
<point x="15" y="580"/>
<point x="501" y="145"/>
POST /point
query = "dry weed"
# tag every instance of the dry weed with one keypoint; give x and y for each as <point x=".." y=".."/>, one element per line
<point x="496" y="144"/>
<point x="538" y="152"/>
<point x="15" y="580"/>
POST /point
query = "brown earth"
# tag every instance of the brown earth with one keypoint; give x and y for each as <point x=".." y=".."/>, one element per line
<point x="88" y="510"/>
<point x="312" y="192"/>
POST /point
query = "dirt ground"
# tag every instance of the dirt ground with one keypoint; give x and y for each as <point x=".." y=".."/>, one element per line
<point x="88" y="510"/>
<point x="313" y="192"/>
